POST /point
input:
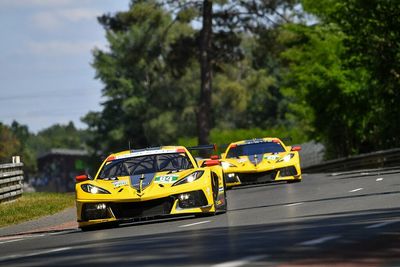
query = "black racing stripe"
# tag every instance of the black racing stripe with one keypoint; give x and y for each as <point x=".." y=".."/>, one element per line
<point x="135" y="180"/>
<point x="256" y="159"/>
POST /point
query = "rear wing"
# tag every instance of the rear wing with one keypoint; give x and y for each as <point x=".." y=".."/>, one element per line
<point x="203" y="147"/>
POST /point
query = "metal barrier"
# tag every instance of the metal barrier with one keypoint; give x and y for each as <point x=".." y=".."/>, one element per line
<point x="11" y="177"/>
<point x="378" y="159"/>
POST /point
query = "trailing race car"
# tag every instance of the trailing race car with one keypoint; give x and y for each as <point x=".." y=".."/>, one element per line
<point x="260" y="160"/>
<point x="149" y="183"/>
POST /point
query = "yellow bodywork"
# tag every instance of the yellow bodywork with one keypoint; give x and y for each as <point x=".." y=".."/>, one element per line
<point x="122" y="194"/>
<point x="263" y="167"/>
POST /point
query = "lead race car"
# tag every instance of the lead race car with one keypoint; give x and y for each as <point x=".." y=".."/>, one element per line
<point x="260" y="160"/>
<point x="149" y="183"/>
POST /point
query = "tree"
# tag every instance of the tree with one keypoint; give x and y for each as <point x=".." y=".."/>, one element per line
<point x="158" y="72"/>
<point x="26" y="149"/>
<point x="327" y="98"/>
<point x="9" y="144"/>
<point x="144" y="104"/>
<point x="220" y="38"/>
<point x="58" y="136"/>
<point x="342" y="74"/>
<point x="372" y="41"/>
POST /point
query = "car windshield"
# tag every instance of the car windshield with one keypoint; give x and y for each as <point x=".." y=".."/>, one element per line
<point x="146" y="164"/>
<point x="255" y="149"/>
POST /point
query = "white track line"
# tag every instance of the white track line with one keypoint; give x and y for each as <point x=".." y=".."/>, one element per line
<point x="192" y="224"/>
<point x="20" y="256"/>
<point x="379" y="225"/>
<point x="379" y="179"/>
<point x="294" y="204"/>
<point x="318" y="240"/>
<point x="13" y="240"/>
<point x="355" y="190"/>
<point x="240" y="262"/>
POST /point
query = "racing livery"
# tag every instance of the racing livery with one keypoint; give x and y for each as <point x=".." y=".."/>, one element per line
<point x="260" y="160"/>
<point x="149" y="183"/>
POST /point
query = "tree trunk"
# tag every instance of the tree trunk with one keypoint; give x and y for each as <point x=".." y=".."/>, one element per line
<point x="204" y="108"/>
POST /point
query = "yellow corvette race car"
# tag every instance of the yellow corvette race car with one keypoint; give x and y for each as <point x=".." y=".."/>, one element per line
<point x="260" y="160"/>
<point x="149" y="183"/>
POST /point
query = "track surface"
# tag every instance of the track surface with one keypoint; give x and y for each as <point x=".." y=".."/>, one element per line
<point x="343" y="220"/>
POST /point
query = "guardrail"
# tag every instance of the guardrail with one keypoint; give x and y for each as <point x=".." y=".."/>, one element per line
<point x="11" y="177"/>
<point x="378" y="159"/>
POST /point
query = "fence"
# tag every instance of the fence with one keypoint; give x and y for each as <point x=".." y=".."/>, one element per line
<point x="311" y="153"/>
<point x="378" y="159"/>
<point x="11" y="177"/>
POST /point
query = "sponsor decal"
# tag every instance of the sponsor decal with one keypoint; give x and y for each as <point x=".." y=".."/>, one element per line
<point x="146" y="153"/>
<point x="221" y="189"/>
<point x="119" y="183"/>
<point x="166" y="179"/>
<point x="254" y="141"/>
<point x="271" y="157"/>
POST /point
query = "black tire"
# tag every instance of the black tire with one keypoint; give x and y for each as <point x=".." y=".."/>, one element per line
<point x="294" y="181"/>
<point x="225" y="207"/>
<point x="99" y="226"/>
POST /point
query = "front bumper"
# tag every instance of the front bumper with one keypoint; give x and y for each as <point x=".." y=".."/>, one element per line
<point x="90" y="213"/>
<point x="253" y="177"/>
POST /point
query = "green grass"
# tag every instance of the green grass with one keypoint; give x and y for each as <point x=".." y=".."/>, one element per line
<point x="34" y="205"/>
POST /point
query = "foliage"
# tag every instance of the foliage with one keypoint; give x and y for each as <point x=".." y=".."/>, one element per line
<point x="323" y="90"/>
<point x="144" y="105"/>
<point x="372" y="41"/>
<point x="25" y="149"/>
<point x="151" y="73"/>
<point x="17" y="140"/>
<point x="9" y="144"/>
<point x="342" y="74"/>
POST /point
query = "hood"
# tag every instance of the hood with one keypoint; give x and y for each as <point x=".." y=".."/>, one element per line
<point x="149" y="180"/>
<point x="256" y="159"/>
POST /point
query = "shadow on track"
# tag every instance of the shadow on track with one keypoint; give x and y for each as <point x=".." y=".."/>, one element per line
<point x="280" y="241"/>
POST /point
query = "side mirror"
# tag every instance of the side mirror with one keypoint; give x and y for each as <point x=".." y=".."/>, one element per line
<point x="81" y="178"/>
<point x="296" y="148"/>
<point x="211" y="162"/>
<point x="223" y="155"/>
<point x="213" y="157"/>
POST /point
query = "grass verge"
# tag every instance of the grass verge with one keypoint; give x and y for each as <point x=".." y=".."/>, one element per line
<point x="34" y="205"/>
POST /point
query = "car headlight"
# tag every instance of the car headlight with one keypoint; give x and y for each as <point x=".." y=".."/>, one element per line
<point x="88" y="188"/>
<point x="190" y="178"/>
<point x="225" y="165"/>
<point x="286" y="158"/>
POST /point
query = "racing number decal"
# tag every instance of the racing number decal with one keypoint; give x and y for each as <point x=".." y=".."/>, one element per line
<point x="166" y="179"/>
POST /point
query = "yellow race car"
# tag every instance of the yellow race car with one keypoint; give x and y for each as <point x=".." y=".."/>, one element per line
<point x="149" y="183"/>
<point x="260" y="160"/>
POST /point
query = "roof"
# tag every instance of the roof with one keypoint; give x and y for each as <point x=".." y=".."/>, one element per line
<point x="64" y="152"/>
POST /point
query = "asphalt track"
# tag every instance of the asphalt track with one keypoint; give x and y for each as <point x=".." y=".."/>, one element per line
<point x="350" y="219"/>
